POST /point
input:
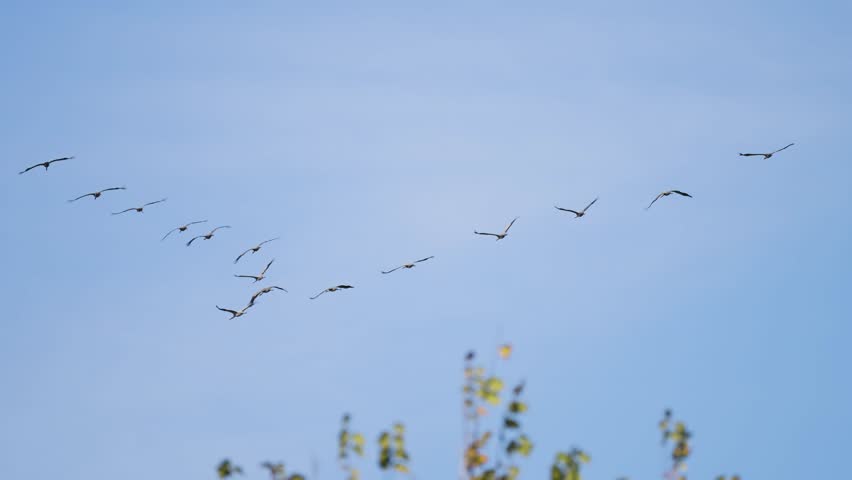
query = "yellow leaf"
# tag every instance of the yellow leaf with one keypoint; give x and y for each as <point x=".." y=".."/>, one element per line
<point x="401" y="468"/>
<point x="505" y="351"/>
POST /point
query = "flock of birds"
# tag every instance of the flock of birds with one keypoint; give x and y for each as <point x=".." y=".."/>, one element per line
<point x="262" y="275"/>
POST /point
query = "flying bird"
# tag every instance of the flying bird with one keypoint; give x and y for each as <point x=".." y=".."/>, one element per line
<point x="182" y="228"/>
<point x="260" y="277"/>
<point x="766" y="156"/>
<point x="332" y="289"/>
<point x="97" y="195"/>
<point x="46" y="165"/>
<point x="666" y="194"/>
<point x="408" y="265"/>
<point x="140" y="209"/>
<point x="500" y="236"/>
<point x="577" y="214"/>
<point x="207" y="236"/>
<point x="235" y="313"/>
<point x="255" y="248"/>
<point x="264" y="291"/>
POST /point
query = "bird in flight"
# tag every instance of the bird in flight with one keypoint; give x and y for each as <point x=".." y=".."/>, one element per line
<point x="766" y="156"/>
<point x="264" y="291"/>
<point x="500" y="236"/>
<point x="577" y="214"/>
<point x="260" y="277"/>
<point x="408" y="265"/>
<point x="235" y="313"/>
<point x="208" y="235"/>
<point x="332" y="289"/>
<point x="46" y="164"/>
<point x="255" y="248"/>
<point x="182" y="228"/>
<point x="666" y="194"/>
<point x="140" y="209"/>
<point x="97" y="195"/>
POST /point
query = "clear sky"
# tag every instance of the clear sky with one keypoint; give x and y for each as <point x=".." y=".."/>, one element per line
<point x="373" y="135"/>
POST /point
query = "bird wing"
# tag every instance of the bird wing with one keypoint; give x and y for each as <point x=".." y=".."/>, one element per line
<point x="154" y="203"/>
<point x="113" y="188"/>
<point x="267" y="241"/>
<point x="267" y="267"/>
<point x="60" y="159"/>
<point x="193" y="239"/>
<point x="484" y="233"/>
<point x="30" y="168"/>
<point x="195" y="223"/>
<point x="655" y="200"/>
<point x="785" y="148"/>
<point x="82" y="196"/>
<point x="567" y="210"/>
<point x="279" y="288"/>
<point x="247" y="276"/>
<point x="344" y="287"/>
<point x="752" y="154"/>
<point x="257" y="295"/>
<point x="170" y="232"/>
<point x="424" y="259"/>
<point x="589" y="205"/>
<point x="682" y="193"/>
<point x="509" y="225"/>
<point x="241" y="256"/>
<point x="217" y="228"/>
<point x="318" y="295"/>
<point x="232" y="312"/>
<point x="391" y="270"/>
<point x="123" y="211"/>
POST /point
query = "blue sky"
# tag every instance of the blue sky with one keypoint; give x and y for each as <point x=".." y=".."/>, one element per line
<point x="370" y="135"/>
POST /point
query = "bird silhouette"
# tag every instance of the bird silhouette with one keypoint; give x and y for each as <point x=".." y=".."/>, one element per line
<point x="500" y="236"/>
<point x="264" y="291"/>
<point x="46" y="164"/>
<point x="331" y="290"/>
<point x="182" y="228"/>
<point x="140" y="209"/>
<point x="208" y="235"/>
<point x="97" y="195"/>
<point x="255" y="248"/>
<point x="577" y="214"/>
<point x="408" y="265"/>
<point x="235" y="313"/>
<point x="766" y="156"/>
<point x="666" y="194"/>
<point x="260" y="277"/>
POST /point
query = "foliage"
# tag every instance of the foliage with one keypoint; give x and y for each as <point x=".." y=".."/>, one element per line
<point x="679" y="437"/>
<point x="567" y="465"/>
<point x="226" y="469"/>
<point x="278" y="472"/>
<point x="392" y="452"/>
<point x="349" y="443"/>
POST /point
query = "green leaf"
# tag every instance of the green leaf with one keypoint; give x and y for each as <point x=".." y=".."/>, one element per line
<point x="511" y="423"/>
<point x="518" y="407"/>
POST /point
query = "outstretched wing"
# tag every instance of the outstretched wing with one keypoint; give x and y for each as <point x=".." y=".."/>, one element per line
<point x="684" y="194"/>
<point x="247" y="276"/>
<point x="30" y="168"/>
<point x="509" y="225"/>
<point x="60" y="159"/>
<point x="232" y="312"/>
<point x="655" y="200"/>
<point x="267" y="241"/>
<point x="344" y="287"/>
<point x="279" y="288"/>
<point x="391" y="270"/>
<point x="82" y="196"/>
<point x="196" y="223"/>
<point x="113" y="188"/>
<point x="589" y="205"/>
<point x="267" y="267"/>
<point x="123" y="211"/>
<point x="752" y="154"/>
<point x="241" y="256"/>
<point x="193" y="239"/>
<point x="785" y="148"/>
<point x="218" y="228"/>
<point x="170" y="232"/>
<point x="424" y="259"/>
<point x="484" y="233"/>
<point x="567" y="210"/>
<point x="318" y="295"/>
<point x="154" y="203"/>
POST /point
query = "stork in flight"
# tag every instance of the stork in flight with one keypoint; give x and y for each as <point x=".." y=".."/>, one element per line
<point x="97" y="195"/>
<point x="140" y="209"/>
<point x="331" y="290"/>
<point x="235" y="313"/>
<point x="666" y="194"/>
<point x="255" y="248"/>
<point x="264" y="291"/>
<point x="408" y="265"/>
<point x="500" y="236"/>
<point x="260" y="277"/>
<point x="208" y="235"/>
<point x="182" y="228"/>
<point x="766" y="156"/>
<point x="46" y="164"/>
<point x="577" y="214"/>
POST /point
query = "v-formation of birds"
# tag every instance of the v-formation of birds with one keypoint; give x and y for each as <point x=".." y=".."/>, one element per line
<point x="257" y="278"/>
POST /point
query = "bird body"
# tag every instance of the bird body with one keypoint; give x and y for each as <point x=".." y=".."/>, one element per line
<point x="408" y="266"/>
<point x="766" y="156"/>
<point x="577" y="213"/>
<point x="332" y="290"/>
<point x="255" y="248"/>
<point x="260" y="277"/>
<point x="500" y="236"/>
<point x="182" y="228"/>
<point x="207" y="236"/>
<point x="141" y="208"/>
<point x="97" y="195"/>
<point x="46" y="164"/>
<point x="666" y="194"/>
